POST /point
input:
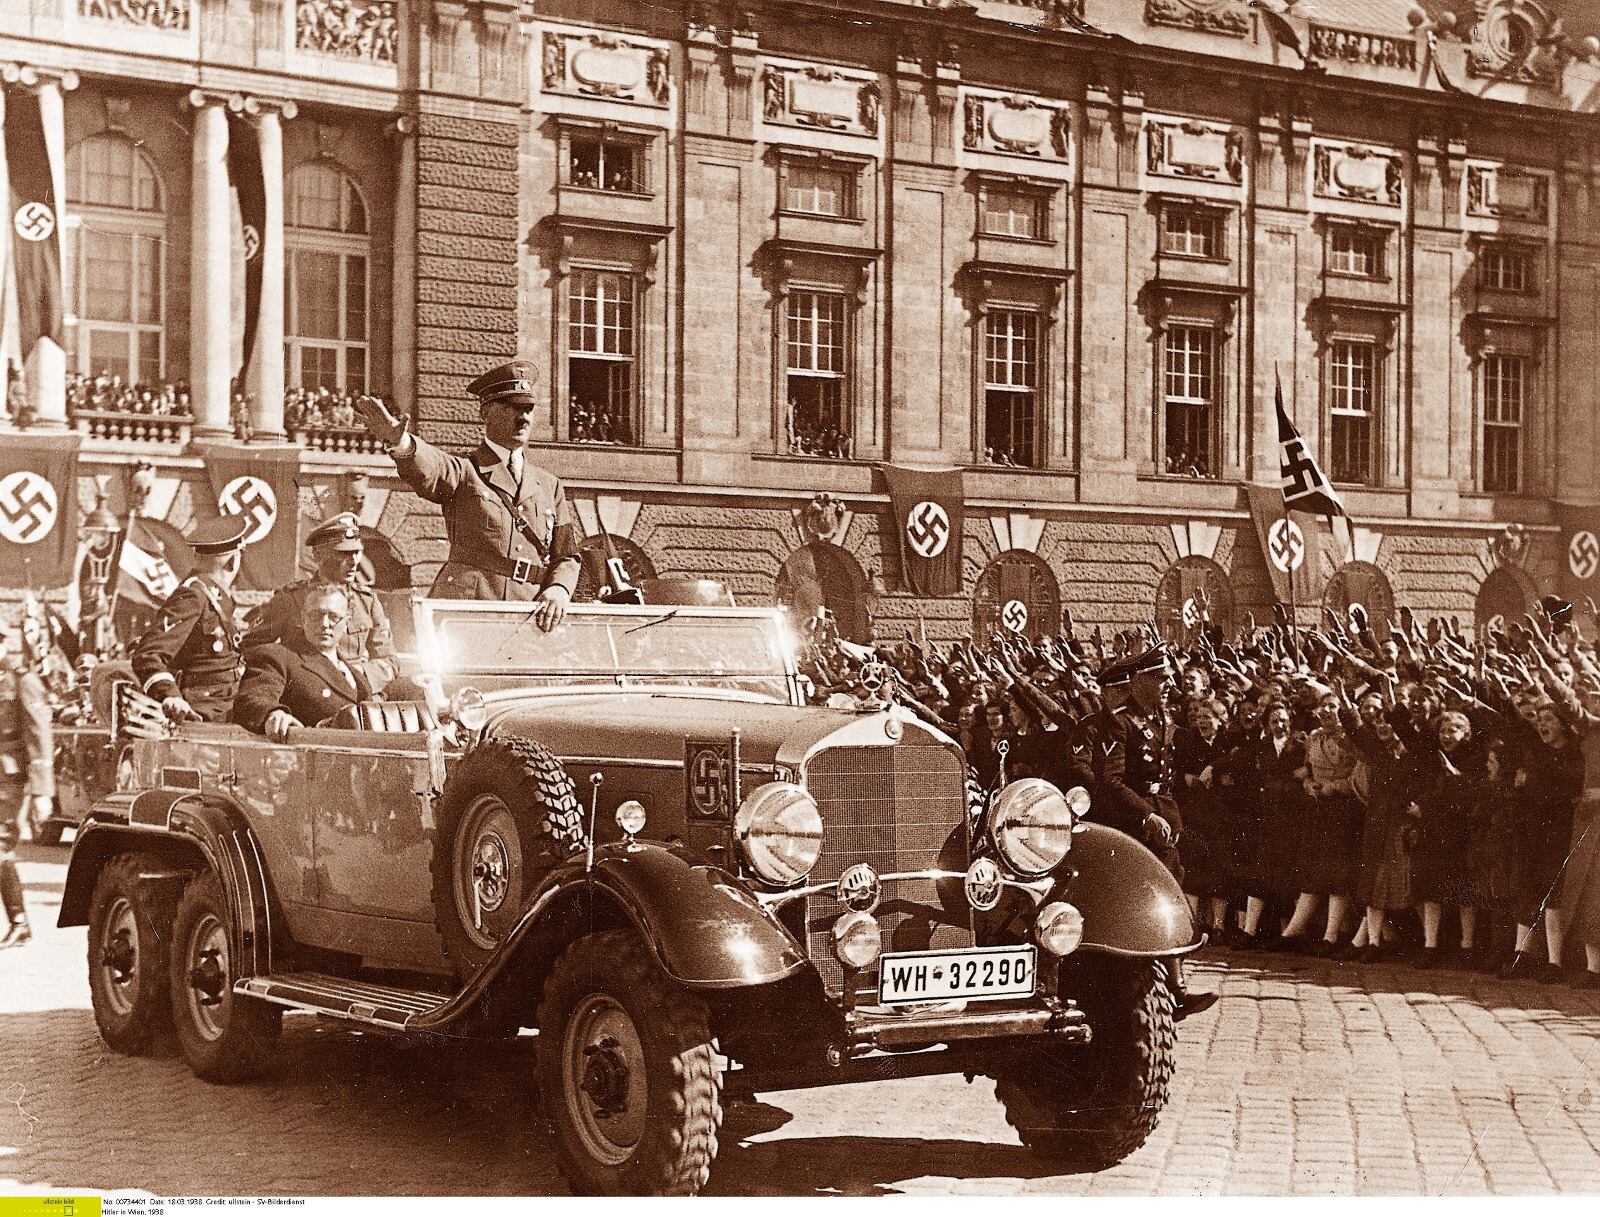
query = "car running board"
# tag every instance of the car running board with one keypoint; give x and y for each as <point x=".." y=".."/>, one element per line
<point x="340" y="997"/>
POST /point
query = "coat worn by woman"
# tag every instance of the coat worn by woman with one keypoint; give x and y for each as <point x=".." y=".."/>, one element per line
<point x="1448" y="790"/>
<point x="1206" y="846"/>
<point x="1552" y="782"/>
<point x="1281" y="801"/>
<point x="1330" y="843"/>
<point x="1389" y="831"/>
<point x="1580" y="887"/>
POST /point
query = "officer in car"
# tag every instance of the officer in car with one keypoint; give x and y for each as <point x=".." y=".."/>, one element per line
<point x="513" y="534"/>
<point x="1132" y="768"/>
<point x="190" y="658"/>
<point x="368" y="644"/>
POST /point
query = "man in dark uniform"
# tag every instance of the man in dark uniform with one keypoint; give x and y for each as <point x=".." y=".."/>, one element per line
<point x="368" y="644"/>
<point x="304" y="680"/>
<point x="1132" y="768"/>
<point x="189" y="659"/>
<point x="513" y="534"/>
<point x="27" y="775"/>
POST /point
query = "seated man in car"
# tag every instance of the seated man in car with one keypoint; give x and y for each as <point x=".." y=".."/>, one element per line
<point x="303" y="681"/>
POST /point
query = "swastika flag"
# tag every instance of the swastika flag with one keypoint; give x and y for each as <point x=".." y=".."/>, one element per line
<point x="1305" y="486"/>
<point x="34" y="216"/>
<point x="927" y="516"/>
<point x="1578" y="568"/>
<point x="262" y="488"/>
<point x="39" y="510"/>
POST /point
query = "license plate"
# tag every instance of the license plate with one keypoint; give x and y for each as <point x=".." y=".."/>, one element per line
<point x="973" y="974"/>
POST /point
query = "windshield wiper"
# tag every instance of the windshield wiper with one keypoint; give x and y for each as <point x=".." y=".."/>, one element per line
<point x="645" y="625"/>
<point x="517" y="633"/>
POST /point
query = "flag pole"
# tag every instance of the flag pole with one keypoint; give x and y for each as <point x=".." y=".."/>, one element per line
<point x="1294" y="607"/>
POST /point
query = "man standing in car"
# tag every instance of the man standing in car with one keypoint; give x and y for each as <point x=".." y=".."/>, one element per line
<point x="513" y="534"/>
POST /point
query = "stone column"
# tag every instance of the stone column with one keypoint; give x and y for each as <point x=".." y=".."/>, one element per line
<point x="47" y="363"/>
<point x="210" y="256"/>
<point x="403" y="347"/>
<point x="266" y="369"/>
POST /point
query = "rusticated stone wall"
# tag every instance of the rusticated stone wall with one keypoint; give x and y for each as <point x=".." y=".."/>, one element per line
<point x="466" y="266"/>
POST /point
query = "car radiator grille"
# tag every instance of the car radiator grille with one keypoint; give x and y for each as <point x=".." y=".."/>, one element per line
<point x="897" y="808"/>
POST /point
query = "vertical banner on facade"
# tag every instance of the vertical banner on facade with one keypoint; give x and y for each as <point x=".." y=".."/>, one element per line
<point x="1291" y="544"/>
<point x="244" y="167"/>
<point x="261" y="487"/>
<point x="1579" y="563"/>
<point x="35" y="220"/>
<point x="39" y="510"/>
<point x="927" y="510"/>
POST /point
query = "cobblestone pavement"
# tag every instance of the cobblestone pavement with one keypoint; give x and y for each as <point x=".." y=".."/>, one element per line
<point x="1303" y="1078"/>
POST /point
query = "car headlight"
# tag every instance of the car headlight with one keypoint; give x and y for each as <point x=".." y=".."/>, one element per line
<point x="1031" y="824"/>
<point x="469" y="709"/>
<point x="780" y="831"/>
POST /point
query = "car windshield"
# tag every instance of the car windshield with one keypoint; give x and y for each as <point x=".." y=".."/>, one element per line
<point x="496" y="644"/>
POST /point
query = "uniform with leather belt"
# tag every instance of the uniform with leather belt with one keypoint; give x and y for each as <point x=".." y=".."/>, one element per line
<point x="27" y="760"/>
<point x="190" y="658"/>
<point x="513" y="534"/>
<point x="1133" y="774"/>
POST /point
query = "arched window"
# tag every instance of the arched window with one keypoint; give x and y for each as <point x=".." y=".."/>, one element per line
<point x="1017" y="591"/>
<point x="1359" y="595"/>
<point x="1194" y="592"/>
<point x="594" y="575"/>
<point x="1505" y="596"/>
<point x="118" y="254"/>
<point x="821" y="575"/>
<point x="327" y="247"/>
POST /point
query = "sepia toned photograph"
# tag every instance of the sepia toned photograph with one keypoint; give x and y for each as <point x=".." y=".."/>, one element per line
<point x="797" y="598"/>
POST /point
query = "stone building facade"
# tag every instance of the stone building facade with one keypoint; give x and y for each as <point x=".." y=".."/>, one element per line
<point x="760" y="250"/>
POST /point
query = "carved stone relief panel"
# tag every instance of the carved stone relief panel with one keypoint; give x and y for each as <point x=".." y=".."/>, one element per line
<point x="152" y="14"/>
<point x="1189" y="150"/>
<point x="1502" y="192"/>
<point x="821" y="98"/>
<point x="1011" y="125"/>
<point x="1230" y="17"/>
<point x="605" y="66"/>
<point x="353" y="29"/>
<point x="1357" y="174"/>
<point x="1516" y="40"/>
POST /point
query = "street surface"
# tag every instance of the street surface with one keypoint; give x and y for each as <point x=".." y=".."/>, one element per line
<point x="1305" y="1078"/>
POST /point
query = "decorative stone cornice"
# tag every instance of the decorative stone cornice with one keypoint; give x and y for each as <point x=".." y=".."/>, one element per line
<point x="31" y="77"/>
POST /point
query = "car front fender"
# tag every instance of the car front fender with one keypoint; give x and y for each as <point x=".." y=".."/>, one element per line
<point x="704" y="929"/>
<point x="1130" y="902"/>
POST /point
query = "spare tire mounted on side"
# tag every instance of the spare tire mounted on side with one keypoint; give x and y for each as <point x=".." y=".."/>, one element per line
<point x="508" y="814"/>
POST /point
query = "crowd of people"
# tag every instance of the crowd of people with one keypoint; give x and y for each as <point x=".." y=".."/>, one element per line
<point x="109" y="393"/>
<point x="1406" y="793"/>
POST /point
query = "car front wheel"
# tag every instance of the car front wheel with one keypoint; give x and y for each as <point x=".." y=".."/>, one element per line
<point x="627" y="1073"/>
<point x="1089" y="1106"/>
<point x="225" y="1036"/>
<point x="130" y="930"/>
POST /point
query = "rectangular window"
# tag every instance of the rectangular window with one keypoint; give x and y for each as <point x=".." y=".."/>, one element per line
<point x="602" y="164"/>
<point x="117" y="279"/>
<point x="1012" y="213"/>
<point x="1352" y="397"/>
<point x="1191" y="232"/>
<point x="1011" y="387"/>
<point x="1189" y="416"/>
<point x="1355" y="251"/>
<point x="818" y="190"/>
<point x="816" y="372"/>
<point x="600" y="357"/>
<point x="1505" y="268"/>
<point x="1504" y="381"/>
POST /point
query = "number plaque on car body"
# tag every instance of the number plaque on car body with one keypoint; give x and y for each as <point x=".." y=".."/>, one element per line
<point x="975" y="974"/>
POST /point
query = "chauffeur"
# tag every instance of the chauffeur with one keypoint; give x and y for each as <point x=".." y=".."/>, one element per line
<point x="189" y="660"/>
<point x="1133" y="773"/>
<point x="513" y="534"/>
<point x="368" y="644"/>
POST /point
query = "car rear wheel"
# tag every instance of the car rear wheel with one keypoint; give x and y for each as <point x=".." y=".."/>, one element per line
<point x="225" y="1036"/>
<point x="627" y="1073"/>
<point x="508" y="815"/>
<point x="130" y="929"/>
<point x="1090" y="1106"/>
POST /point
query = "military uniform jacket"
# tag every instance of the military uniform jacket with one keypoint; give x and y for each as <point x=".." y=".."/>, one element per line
<point x="297" y="679"/>
<point x="27" y="748"/>
<point x="488" y="547"/>
<point x="368" y="642"/>
<point x="1133" y="774"/>
<point x="193" y="649"/>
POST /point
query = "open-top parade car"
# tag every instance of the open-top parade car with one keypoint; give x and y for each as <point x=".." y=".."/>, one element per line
<point x="631" y="835"/>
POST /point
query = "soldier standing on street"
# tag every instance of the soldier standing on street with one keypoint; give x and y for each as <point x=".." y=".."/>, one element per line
<point x="27" y="774"/>
<point x="1133" y="768"/>
<point x="513" y="534"/>
<point x="368" y="644"/>
<point x="189" y="660"/>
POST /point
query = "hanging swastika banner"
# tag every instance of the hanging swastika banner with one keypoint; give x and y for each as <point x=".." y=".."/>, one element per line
<point x="39" y="510"/>
<point x="262" y="489"/>
<point x="926" y="507"/>
<point x="1578" y="565"/>
<point x="1291" y="545"/>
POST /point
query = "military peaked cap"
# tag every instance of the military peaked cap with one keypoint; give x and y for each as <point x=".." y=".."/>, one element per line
<point x="342" y="531"/>
<point x="511" y="383"/>
<point x="1121" y="671"/>
<point x="219" y="536"/>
